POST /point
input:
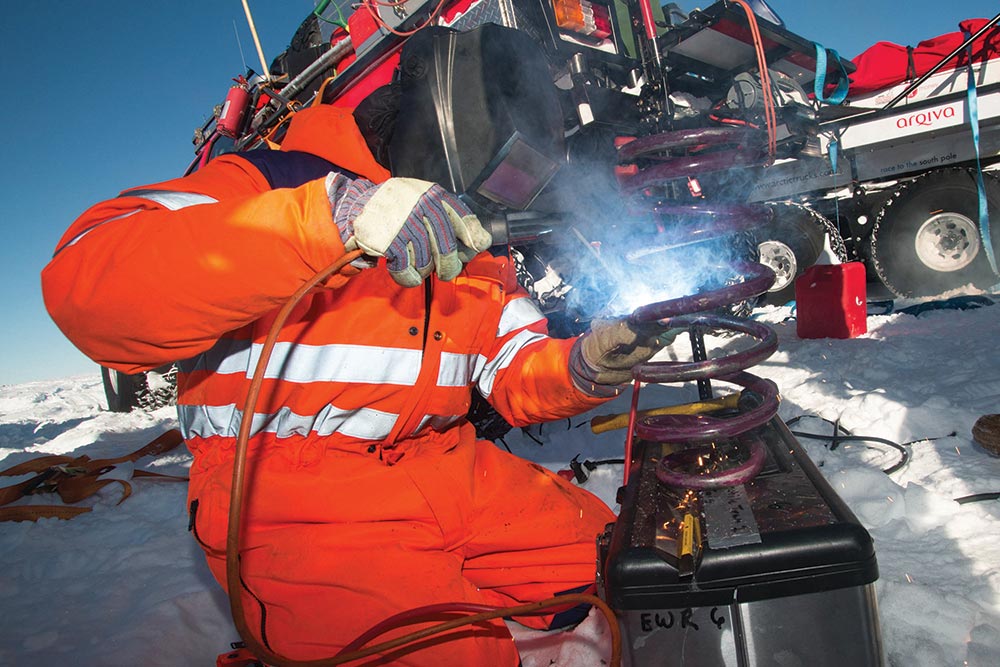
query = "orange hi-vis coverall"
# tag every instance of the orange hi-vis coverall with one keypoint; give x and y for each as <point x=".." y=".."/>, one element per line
<point x="367" y="491"/>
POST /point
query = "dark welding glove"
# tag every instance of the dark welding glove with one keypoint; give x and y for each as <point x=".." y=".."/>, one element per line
<point x="603" y="358"/>
<point x="418" y="226"/>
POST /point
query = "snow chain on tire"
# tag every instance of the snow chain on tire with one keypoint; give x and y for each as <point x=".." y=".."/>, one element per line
<point x="901" y="196"/>
<point x="152" y="398"/>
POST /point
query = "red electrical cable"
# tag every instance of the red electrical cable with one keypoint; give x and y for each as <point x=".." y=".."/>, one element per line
<point x="630" y="434"/>
<point x="416" y="615"/>
<point x="529" y="609"/>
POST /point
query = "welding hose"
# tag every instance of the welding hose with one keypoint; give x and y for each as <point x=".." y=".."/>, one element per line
<point x="491" y="613"/>
<point x="904" y="455"/>
<point x="770" y="116"/>
<point x="234" y="581"/>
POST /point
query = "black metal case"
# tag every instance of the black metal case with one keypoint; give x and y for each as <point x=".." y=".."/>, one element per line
<point x="776" y="571"/>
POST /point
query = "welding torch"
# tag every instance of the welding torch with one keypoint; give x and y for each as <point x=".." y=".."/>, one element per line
<point x="513" y="227"/>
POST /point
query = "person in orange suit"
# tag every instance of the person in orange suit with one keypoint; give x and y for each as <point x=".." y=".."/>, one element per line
<point x="368" y="492"/>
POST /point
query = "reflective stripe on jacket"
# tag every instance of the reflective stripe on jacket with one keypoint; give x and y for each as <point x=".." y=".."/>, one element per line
<point x="194" y="269"/>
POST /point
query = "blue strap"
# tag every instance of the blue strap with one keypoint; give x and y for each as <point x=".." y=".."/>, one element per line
<point x="819" y="83"/>
<point x="984" y="215"/>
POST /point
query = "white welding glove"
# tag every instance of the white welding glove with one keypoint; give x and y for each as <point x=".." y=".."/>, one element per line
<point x="418" y="226"/>
<point x="603" y="358"/>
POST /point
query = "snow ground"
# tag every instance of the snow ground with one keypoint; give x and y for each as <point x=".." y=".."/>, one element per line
<point x="126" y="585"/>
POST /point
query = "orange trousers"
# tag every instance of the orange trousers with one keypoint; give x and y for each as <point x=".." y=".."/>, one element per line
<point x="337" y="542"/>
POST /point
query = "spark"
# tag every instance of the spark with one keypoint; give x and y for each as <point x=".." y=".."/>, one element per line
<point x="581" y="512"/>
<point x="957" y="450"/>
<point x="908" y="577"/>
<point x="889" y="498"/>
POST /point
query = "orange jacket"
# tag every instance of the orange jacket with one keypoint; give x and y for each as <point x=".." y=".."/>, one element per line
<point x="194" y="269"/>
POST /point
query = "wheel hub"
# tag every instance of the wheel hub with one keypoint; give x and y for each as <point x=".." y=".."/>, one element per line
<point x="781" y="259"/>
<point x="947" y="242"/>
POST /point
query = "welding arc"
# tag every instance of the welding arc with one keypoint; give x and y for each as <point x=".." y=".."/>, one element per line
<point x="758" y="278"/>
<point x="236" y="502"/>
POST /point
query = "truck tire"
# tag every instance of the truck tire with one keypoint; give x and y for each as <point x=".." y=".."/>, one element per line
<point x="121" y="390"/>
<point x="146" y="391"/>
<point x="791" y="243"/>
<point x="926" y="238"/>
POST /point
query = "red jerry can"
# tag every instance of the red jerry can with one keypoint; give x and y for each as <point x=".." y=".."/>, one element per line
<point x="831" y="301"/>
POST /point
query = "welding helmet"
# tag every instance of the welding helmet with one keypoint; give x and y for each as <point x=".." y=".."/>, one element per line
<point x="474" y="111"/>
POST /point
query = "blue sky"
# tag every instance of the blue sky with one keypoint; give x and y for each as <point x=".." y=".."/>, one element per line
<point x="101" y="96"/>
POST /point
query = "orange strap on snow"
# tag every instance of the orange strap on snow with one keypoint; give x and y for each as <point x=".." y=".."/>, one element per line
<point x="75" y="479"/>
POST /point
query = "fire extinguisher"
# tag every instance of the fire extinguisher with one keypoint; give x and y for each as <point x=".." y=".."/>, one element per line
<point x="234" y="109"/>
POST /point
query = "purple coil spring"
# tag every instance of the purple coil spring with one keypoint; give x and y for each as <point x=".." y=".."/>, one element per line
<point x="666" y="157"/>
<point x="700" y="430"/>
<point x="691" y="152"/>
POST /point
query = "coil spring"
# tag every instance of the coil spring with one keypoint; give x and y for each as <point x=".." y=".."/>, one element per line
<point x="665" y="158"/>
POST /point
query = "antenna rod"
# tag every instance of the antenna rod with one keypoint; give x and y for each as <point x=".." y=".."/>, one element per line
<point x="256" y="41"/>
<point x="239" y="45"/>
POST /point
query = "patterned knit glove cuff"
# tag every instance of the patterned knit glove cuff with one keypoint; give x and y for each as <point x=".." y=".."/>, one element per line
<point x="347" y="199"/>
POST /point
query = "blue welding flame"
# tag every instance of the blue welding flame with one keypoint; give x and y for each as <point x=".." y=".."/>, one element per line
<point x="659" y="270"/>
